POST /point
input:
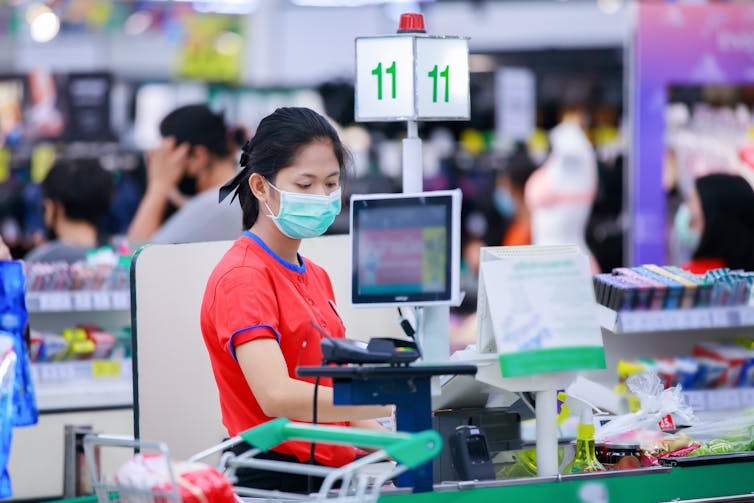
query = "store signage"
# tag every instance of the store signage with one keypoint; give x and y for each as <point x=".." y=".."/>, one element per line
<point x="410" y="77"/>
<point x="537" y="308"/>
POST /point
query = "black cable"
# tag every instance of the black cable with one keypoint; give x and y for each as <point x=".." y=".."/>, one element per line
<point x="406" y="325"/>
<point x="309" y="481"/>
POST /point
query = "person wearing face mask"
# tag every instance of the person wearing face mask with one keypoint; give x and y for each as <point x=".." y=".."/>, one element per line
<point x="717" y="222"/>
<point x="77" y="194"/>
<point x="509" y="198"/>
<point x="263" y="296"/>
<point x="197" y="147"/>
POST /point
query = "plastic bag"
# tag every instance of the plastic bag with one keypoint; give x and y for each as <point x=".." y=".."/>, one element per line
<point x="7" y="377"/>
<point x="197" y="482"/>
<point x="13" y="317"/>
<point x="657" y="404"/>
<point x="735" y="434"/>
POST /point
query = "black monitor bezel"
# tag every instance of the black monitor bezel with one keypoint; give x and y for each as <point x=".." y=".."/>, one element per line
<point x="444" y="199"/>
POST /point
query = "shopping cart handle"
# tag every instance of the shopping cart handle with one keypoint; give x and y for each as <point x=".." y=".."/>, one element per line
<point x="409" y="449"/>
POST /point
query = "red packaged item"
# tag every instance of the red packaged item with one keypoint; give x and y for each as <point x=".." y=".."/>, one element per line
<point x="732" y="356"/>
<point x="197" y="482"/>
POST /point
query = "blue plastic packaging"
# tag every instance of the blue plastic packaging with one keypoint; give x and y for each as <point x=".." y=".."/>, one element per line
<point x="13" y="317"/>
<point x="7" y="410"/>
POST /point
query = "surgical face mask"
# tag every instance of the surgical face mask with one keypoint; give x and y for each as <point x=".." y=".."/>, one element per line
<point x="504" y="203"/>
<point x="305" y="215"/>
<point x="682" y="227"/>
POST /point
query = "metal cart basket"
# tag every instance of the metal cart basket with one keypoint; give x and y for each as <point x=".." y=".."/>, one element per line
<point x="357" y="482"/>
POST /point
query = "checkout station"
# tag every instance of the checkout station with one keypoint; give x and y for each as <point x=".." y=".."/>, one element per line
<point x="397" y="286"/>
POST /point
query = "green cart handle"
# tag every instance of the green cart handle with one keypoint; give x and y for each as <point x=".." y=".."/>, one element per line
<point x="409" y="449"/>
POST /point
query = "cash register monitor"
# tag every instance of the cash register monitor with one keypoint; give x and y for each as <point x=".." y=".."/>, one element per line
<point x="405" y="248"/>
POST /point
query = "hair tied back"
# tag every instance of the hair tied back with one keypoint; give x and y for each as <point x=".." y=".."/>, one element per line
<point x="245" y="153"/>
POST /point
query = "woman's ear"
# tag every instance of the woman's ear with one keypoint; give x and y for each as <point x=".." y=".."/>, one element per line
<point x="259" y="187"/>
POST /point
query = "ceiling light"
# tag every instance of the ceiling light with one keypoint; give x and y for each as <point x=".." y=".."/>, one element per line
<point x="44" y="24"/>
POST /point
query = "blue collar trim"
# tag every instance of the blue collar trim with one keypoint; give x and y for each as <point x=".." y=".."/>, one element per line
<point x="301" y="269"/>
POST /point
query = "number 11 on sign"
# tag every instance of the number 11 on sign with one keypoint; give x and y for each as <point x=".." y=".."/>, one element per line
<point x="444" y="74"/>
<point x="377" y="71"/>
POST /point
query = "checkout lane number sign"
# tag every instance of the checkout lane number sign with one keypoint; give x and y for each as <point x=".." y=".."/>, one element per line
<point x="409" y="77"/>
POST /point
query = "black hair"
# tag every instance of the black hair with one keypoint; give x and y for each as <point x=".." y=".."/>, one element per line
<point x="728" y="209"/>
<point x="278" y="139"/>
<point x="82" y="187"/>
<point x="519" y="167"/>
<point x="198" y="125"/>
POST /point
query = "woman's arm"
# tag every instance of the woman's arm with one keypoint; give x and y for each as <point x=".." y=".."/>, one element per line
<point x="279" y="395"/>
<point x="368" y="424"/>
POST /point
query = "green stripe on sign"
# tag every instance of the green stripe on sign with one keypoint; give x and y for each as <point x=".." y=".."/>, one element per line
<point x="540" y="361"/>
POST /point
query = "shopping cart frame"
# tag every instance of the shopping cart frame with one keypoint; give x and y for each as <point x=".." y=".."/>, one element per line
<point x="109" y="491"/>
<point x="408" y="450"/>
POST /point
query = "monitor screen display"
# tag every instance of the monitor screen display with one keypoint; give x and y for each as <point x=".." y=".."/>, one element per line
<point x="405" y="248"/>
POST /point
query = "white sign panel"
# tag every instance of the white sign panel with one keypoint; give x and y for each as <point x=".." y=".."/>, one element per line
<point x="384" y="78"/>
<point x="442" y="78"/>
<point x="410" y="77"/>
<point x="516" y="109"/>
<point x="539" y="312"/>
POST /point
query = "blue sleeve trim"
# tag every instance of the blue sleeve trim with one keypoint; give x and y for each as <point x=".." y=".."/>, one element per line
<point x="233" y="348"/>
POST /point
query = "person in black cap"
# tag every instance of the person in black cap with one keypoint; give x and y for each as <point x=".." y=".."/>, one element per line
<point x="265" y="304"/>
<point x="196" y="144"/>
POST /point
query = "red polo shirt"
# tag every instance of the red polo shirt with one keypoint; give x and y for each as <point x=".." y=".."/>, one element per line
<point x="251" y="294"/>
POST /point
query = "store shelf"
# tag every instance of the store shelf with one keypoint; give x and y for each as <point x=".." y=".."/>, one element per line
<point x="720" y="399"/>
<point x="78" y="301"/>
<point x="79" y="385"/>
<point x="626" y="322"/>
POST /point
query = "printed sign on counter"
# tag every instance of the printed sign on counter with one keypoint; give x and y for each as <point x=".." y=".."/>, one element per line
<point x="539" y="308"/>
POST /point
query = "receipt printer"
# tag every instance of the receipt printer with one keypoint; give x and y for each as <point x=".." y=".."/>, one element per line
<point x="498" y="427"/>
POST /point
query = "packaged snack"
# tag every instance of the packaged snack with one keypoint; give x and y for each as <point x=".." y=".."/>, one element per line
<point x="54" y="348"/>
<point x="35" y="345"/>
<point x="658" y="290"/>
<point x="689" y="296"/>
<point x="733" y="356"/>
<point x="103" y="341"/>
<point x="711" y="374"/>
<point x="675" y="290"/>
<point x="685" y="373"/>
<point x="122" y="347"/>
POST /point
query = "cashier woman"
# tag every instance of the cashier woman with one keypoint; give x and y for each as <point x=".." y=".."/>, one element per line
<point x="263" y="296"/>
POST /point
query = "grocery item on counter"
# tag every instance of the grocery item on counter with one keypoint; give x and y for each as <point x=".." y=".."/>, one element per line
<point x="197" y="482"/>
<point x="662" y="409"/>
<point x="585" y="459"/>
<point x="610" y="454"/>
